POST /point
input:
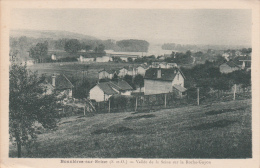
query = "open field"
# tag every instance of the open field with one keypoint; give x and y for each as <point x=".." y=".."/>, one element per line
<point x="76" y="68"/>
<point x="219" y="130"/>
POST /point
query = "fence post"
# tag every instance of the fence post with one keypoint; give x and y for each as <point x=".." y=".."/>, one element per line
<point x="198" y="96"/>
<point x="165" y="100"/>
<point x="235" y="89"/>
<point x="84" y="110"/>
<point x="136" y="103"/>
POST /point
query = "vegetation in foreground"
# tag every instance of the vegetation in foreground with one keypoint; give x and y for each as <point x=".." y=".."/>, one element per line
<point x="220" y="130"/>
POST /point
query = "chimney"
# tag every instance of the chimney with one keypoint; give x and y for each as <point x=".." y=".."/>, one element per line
<point x="159" y="73"/>
<point x="53" y="80"/>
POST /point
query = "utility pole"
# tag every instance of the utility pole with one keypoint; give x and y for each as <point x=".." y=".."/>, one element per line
<point x="198" y="96"/>
<point x="109" y="105"/>
<point x="165" y="99"/>
<point x="235" y="89"/>
<point x="136" y="103"/>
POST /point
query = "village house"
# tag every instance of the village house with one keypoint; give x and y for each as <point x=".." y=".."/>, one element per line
<point x="125" y="57"/>
<point x="28" y="62"/>
<point x="85" y="59"/>
<point x="171" y="65"/>
<point x="122" y="72"/>
<point x="54" y="57"/>
<point x="141" y="69"/>
<point x="158" y="80"/>
<point x="59" y="84"/>
<point x="103" y="91"/>
<point x="106" y="74"/>
<point x="228" y="67"/>
<point x="132" y="71"/>
<point x="105" y="58"/>
<point x="226" y="56"/>
<point x="163" y="65"/>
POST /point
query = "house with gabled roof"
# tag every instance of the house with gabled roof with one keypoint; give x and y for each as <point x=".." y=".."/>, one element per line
<point x="104" y="90"/>
<point x="106" y="74"/>
<point x="158" y="80"/>
<point x="141" y="69"/>
<point x="122" y="72"/>
<point x="228" y="67"/>
<point x="59" y="84"/>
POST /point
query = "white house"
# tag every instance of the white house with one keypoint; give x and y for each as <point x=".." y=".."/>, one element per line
<point x="132" y="71"/>
<point x="28" y="62"/>
<point x="171" y="65"/>
<point x="158" y="80"/>
<point x="226" y="55"/>
<point x="103" y="91"/>
<point x="122" y="72"/>
<point x="54" y="57"/>
<point x="85" y="59"/>
<point x="60" y="84"/>
<point x="106" y="74"/>
<point x="104" y="59"/>
<point x="142" y="69"/>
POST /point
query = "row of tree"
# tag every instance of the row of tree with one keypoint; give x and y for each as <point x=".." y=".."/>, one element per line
<point x="208" y="76"/>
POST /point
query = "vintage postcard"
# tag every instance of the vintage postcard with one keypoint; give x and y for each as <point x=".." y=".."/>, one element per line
<point x="130" y="83"/>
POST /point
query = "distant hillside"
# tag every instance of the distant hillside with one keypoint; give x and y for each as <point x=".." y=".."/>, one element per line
<point x="50" y="34"/>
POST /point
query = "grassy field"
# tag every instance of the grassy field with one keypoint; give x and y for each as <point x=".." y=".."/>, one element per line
<point x="220" y="130"/>
<point x="75" y="68"/>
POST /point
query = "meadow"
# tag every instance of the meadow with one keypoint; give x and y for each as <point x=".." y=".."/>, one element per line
<point x="218" y="130"/>
<point x="76" y="68"/>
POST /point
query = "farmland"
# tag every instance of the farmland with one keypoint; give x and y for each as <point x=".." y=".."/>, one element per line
<point x="75" y="68"/>
<point x="219" y="130"/>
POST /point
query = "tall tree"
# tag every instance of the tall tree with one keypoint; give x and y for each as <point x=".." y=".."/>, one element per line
<point x="139" y="81"/>
<point x="39" y="51"/>
<point x="72" y="46"/>
<point x="28" y="105"/>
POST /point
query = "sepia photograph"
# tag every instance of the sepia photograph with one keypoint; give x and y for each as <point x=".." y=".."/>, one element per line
<point x="130" y="83"/>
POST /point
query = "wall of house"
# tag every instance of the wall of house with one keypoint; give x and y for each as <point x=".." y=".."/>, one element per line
<point x="97" y="94"/>
<point x="157" y="86"/>
<point x="224" y="68"/>
<point x="122" y="72"/>
<point x="178" y="80"/>
<point x="141" y="71"/>
<point x="103" y="59"/>
<point x="103" y="75"/>
<point x="127" y="93"/>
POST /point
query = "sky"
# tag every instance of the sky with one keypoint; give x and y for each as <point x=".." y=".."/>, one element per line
<point x="185" y="26"/>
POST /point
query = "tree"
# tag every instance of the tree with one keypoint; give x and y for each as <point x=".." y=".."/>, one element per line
<point x="39" y="51"/>
<point x="28" y="105"/>
<point x="139" y="81"/>
<point x="72" y="46"/>
<point x="129" y="80"/>
<point x="100" y="49"/>
<point x="129" y="59"/>
<point x="115" y="77"/>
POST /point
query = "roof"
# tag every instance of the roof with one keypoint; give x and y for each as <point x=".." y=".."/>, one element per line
<point x="166" y="74"/>
<point x="123" y="85"/>
<point x="110" y="71"/>
<point x="180" y="88"/>
<point x="231" y="64"/>
<point x="107" y="89"/>
<point x="111" y="87"/>
<point x="61" y="82"/>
